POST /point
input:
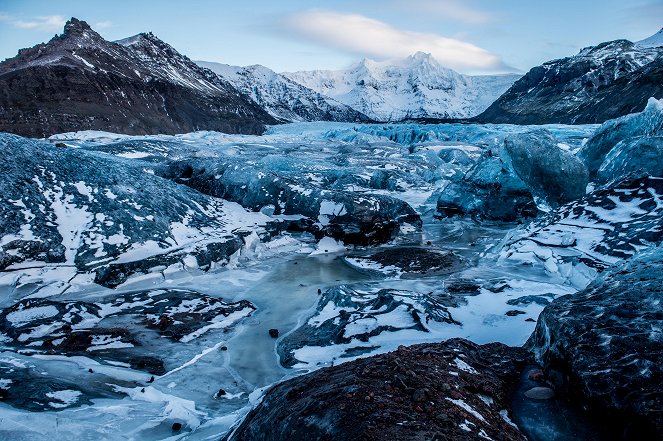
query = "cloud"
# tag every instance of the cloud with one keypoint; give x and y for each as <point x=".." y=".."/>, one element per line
<point x="48" y="23"/>
<point x="452" y="10"/>
<point x="369" y="37"/>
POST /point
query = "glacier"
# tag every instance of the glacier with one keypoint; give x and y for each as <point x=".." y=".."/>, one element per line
<point x="141" y="276"/>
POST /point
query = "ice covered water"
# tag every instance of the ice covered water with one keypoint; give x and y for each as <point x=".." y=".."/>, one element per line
<point x="327" y="307"/>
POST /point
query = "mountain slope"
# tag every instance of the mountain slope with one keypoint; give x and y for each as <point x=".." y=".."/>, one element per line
<point x="416" y="87"/>
<point x="283" y="98"/>
<point x="601" y="82"/>
<point x="80" y="81"/>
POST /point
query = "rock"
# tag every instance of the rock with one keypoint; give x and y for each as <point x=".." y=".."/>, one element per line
<point x="274" y="333"/>
<point x="139" y="85"/>
<point x="490" y="190"/>
<point x="536" y="375"/>
<point x="78" y="328"/>
<point x="220" y="393"/>
<point x="555" y="175"/>
<point x="584" y="237"/>
<point x="514" y="312"/>
<point x="117" y="211"/>
<point x="364" y="399"/>
<point x="598" y="347"/>
<point x="541" y="300"/>
<point x="540" y="393"/>
<point x="176" y="427"/>
<point x="629" y="130"/>
<point x="406" y="261"/>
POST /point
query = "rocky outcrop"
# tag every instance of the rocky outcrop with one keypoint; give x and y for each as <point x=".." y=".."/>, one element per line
<point x="603" y="346"/>
<point x="347" y="319"/>
<point x="453" y="390"/>
<point x="141" y="85"/>
<point x="131" y="329"/>
<point x="406" y="262"/>
<point x="602" y="82"/>
<point x="584" y="237"/>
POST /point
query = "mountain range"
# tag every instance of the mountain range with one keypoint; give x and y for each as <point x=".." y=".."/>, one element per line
<point x="142" y="85"/>
<point x="283" y="98"/>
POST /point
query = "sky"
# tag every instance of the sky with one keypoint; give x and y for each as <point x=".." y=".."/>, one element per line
<point x="470" y="36"/>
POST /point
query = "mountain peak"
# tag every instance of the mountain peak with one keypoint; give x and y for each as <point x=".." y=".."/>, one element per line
<point x="76" y="26"/>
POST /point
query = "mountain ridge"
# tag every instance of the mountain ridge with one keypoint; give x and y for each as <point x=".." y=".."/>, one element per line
<point x="600" y="82"/>
<point x="282" y="97"/>
<point x="80" y="81"/>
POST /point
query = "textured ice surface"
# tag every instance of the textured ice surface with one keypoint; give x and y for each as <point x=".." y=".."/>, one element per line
<point x="288" y="276"/>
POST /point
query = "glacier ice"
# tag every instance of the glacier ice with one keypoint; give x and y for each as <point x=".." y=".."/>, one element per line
<point x="647" y="123"/>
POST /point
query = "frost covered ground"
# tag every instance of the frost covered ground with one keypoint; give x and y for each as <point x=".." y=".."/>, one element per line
<point x="169" y="334"/>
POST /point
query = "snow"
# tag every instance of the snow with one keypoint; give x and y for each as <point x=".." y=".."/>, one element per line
<point x="65" y="397"/>
<point x="414" y="87"/>
<point x="655" y="40"/>
<point x="462" y="404"/>
<point x="24" y="316"/>
<point x="327" y="245"/>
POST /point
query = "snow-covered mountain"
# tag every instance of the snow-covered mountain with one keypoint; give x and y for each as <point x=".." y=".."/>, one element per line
<point x="655" y="40"/>
<point x="601" y="82"/>
<point x="282" y="97"/>
<point x="415" y="87"/>
<point x="138" y="85"/>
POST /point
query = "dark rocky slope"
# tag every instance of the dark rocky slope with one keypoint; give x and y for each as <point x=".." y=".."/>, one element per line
<point x="603" y="346"/>
<point x="79" y="81"/>
<point x="602" y="82"/>
<point x="453" y="390"/>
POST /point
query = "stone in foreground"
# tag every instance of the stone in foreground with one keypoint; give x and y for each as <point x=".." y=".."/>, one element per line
<point x="455" y="390"/>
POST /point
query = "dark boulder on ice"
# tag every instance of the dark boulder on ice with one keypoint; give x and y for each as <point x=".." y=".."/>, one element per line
<point x="625" y="136"/>
<point x="406" y="261"/>
<point x="555" y="175"/>
<point x="489" y="190"/>
<point x="454" y="390"/>
<point x="603" y="346"/>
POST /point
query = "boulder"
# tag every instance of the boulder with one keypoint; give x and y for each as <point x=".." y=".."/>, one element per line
<point x="452" y="390"/>
<point x="603" y="346"/>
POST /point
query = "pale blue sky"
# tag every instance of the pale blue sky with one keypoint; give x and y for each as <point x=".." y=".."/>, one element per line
<point x="472" y="36"/>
